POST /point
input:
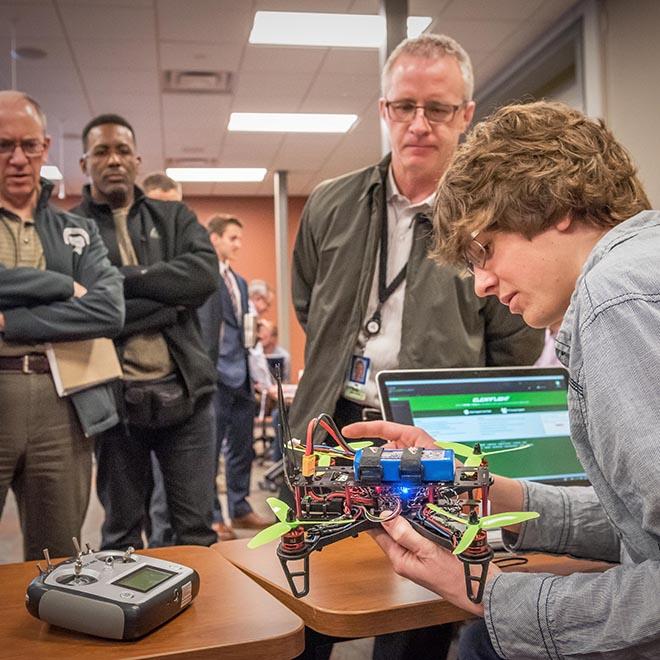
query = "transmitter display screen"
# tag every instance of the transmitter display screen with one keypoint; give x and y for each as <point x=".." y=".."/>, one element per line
<point x="144" y="579"/>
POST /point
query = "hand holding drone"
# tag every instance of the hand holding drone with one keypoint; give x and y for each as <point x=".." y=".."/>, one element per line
<point x="347" y="488"/>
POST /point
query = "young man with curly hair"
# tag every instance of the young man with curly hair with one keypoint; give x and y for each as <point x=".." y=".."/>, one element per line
<point x="543" y="205"/>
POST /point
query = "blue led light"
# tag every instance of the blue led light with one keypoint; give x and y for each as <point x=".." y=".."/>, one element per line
<point x="404" y="490"/>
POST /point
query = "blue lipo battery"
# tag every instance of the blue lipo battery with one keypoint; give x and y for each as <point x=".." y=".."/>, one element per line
<point x="373" y="465"/>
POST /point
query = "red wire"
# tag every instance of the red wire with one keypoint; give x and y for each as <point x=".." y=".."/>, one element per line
<point x="309" y="448"/>
<point x="334" y="436"/>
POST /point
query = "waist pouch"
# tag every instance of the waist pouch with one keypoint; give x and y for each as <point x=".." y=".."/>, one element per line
<point x="157" y="403"/>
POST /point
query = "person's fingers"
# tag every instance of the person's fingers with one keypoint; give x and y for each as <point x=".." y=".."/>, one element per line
<point x="401" y="434"/>
<point x="404" y="535"/>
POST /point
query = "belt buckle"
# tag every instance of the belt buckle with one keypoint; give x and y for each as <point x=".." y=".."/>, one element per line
<point x="26" y="365"/>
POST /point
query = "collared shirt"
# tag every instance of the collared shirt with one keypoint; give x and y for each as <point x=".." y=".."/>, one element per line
<point x="227" y="274"/>
<point x="20" y="247"/>
<point x="383" y="349"/>
<point x="548" y="357"/>
<point x="609" y="341"/>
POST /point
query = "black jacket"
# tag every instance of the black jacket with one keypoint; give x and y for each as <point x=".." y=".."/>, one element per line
<point x="178" y="271"/>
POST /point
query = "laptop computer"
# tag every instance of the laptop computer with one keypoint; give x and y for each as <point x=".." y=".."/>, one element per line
<point x="499" y="407"/>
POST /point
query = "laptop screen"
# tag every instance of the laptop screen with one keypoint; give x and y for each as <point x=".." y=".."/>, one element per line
<point x="500" y="408"/>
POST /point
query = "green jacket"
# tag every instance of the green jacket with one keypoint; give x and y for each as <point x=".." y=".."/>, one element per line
<point x="38" y="305"/>
<point x="444" y="323"/>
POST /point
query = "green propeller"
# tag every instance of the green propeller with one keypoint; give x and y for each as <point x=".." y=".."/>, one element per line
<point x="473" y="455"/>
<point x="283" y="526"/>
<point x="494" y="521"/>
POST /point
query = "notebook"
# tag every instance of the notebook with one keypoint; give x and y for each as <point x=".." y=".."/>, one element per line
<point x="79" y="365"/>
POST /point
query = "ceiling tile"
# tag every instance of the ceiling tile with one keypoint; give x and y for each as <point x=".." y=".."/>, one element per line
<point x="115" y="3"/>
<point x="107" y="81"/>
<point x="57" y="51"/>
<point x="37" y="80"/>
<point x="352" y="61"/>
<point x="269" y="103"/>
<point x="198" y="56"/>
<point x="118" y="55"/>
<point x="124" y="23"/>
<point x="428" y="7"/>
<point x="477" y="35"/>
<point x="329" y="6"/>
<point x="193" y="124"/>
<point x="305" y="152"/>
<point x="552" y="11"/>
<point x="489" y="10"/>
<point x="360" y="87"/>
<point x="64" y="106"/>
<point x="250" y="149"/>
<point x="30" y="20"/>
<point x="210" y="21"/>
<point x="265" y="58"/>
<point x="260" y="85"/>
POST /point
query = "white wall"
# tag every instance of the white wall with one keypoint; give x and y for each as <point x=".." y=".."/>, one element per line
<point x="631" y="40"/>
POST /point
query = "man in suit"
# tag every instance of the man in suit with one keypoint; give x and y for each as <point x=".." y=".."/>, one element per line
<point x="221" y="320"/>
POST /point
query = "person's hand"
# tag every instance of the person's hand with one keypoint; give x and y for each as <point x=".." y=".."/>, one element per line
<point x="427" y="564"/>
<point x="78" y="290"/>
<point x="398" y="436"/>
<point x="2" y="322"/>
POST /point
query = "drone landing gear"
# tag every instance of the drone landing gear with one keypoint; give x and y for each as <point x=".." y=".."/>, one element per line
<point x="293" y="575"/>
<point x="480" y="558"/>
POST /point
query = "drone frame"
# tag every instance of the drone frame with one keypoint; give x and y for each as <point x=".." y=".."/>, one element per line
<point x="298" y="543"/>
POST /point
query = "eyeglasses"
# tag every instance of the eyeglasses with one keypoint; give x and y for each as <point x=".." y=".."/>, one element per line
<point x="29" y="147"/>
<point x="475" y="255"/>
<point x="435" y="113"/>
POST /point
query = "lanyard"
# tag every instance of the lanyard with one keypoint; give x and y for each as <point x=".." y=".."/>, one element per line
<point x="373" y="325"/>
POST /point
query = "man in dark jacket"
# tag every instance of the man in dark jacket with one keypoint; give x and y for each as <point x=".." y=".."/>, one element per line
<point x="363" y="288"/>
<point x="56" y="284"/>
<point x="170" y="269"/>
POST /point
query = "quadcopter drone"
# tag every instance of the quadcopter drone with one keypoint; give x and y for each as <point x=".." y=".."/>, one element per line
<point x="343" y="489"/>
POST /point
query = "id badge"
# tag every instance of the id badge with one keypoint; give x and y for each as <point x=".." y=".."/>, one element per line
<point x="356" y="380"/>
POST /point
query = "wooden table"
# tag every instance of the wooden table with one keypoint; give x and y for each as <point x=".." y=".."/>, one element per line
<point x="232" y="617"/>
<point x="355" y="593"/>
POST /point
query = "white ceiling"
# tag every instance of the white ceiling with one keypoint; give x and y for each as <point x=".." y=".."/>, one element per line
<point x="108" y="55"/>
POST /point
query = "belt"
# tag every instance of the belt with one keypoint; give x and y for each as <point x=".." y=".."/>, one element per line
<point x="33" y="363"/>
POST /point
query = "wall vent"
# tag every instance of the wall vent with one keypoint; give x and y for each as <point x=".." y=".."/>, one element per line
<point x="198" y="82"/>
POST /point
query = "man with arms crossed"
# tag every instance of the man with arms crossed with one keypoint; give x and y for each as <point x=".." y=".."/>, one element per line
<point x="545" y="207"/>
<point x="56" y="283"/>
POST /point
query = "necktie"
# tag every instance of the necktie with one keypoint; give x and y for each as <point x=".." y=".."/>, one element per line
<point x="230" y="288"/>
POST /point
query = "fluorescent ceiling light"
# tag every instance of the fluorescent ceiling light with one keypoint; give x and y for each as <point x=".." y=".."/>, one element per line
<point x="51" y="172"/>
<point x="216" y="174"/>
<point x="290" y="122"/>
<point x="292" y="28"/>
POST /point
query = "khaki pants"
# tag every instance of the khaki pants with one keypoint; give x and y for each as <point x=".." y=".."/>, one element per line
<point x="46" y="461"/>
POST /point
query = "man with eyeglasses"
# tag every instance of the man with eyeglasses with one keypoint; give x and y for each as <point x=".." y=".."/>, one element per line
<point x="56" y="284"/>
<point x="169" y="269"/>
<point x="567" y="240"/>
<point x="363" y="288"/>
